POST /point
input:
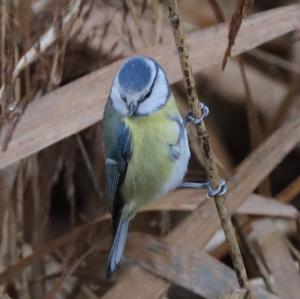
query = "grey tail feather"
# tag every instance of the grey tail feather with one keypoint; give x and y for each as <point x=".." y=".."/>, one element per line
<point x="117" y="248"/>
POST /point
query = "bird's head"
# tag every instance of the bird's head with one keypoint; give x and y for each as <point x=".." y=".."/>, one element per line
<point x="140" y="87"/>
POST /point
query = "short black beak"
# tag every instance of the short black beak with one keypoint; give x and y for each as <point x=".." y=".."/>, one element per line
<point x="131" y="108"/>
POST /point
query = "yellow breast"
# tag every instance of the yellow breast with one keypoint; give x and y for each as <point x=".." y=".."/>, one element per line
<point x="150" y="165"/>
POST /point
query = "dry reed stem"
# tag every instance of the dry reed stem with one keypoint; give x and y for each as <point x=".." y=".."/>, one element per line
<point x="24" y="285"/>
<point x="290" y="191"/>
<point x="253" y="255"/>
<point x="209" y="159"/>
<point x="239" y="294"/>
<point x="255" y="128"/>
<point x="25" y="26"/>
<point x="58" y="57"/>
<point x="39" y="221"/>
<point x="88" y="164"/>
<point x="247" y="178"/>
<point x="274" y="59"/>
<point x="217" y="10"/>
<point x="41" y="124"/>
<point x="278" y="259"/>
<point x="191" y="269"/>
<point x="3" y="33"/>
<point x="256" y="205"/>
<point x="294" y="251"/>
<point x="194" y="270"/>
<point x="158" y="7"/>
<point x="137" y="22"/>
<point x="242" y="9"/>
<point x="285" y="196"/>
<point x="254" y="124"/>
<point x="12" y="271"/>
<point x="14" y="110"/>
<point x="58" y="285"/>
<point x="8" y="45"/>
<point x="287" y="102"/>
<point x="44" y="42"/>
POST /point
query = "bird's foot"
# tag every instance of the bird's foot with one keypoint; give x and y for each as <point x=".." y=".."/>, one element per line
<point x="219" y="191"/>
<point x="197" y="120"/>
<point x="192" y="119"/>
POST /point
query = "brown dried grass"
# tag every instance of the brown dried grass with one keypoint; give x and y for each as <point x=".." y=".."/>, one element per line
<point x="55" y="229"/>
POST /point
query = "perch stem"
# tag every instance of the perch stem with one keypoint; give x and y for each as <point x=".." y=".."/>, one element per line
<point x="204" y="143"/>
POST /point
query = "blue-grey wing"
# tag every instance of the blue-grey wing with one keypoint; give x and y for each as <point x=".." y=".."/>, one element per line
<point x="112" y="179"/>
<point x="117" y="152"/>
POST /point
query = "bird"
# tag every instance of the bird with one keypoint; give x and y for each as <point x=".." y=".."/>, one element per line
<point x="146" y="148"/>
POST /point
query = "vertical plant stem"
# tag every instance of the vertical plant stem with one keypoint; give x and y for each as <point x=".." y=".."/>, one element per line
<point x="3" y="33"/>
<point x="89" y="166"/>
<point x="254" y="124"/>
<point x="203" y="139"/>
<point x="158" y="8"/>
<point x="39" y="220"/>
<point x="137" y="23"/>
<point x="23" y="287"/>
<point x="252" y="254"/>
<point x="294" y="251"/>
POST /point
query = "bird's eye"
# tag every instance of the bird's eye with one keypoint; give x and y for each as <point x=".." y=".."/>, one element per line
<point x="147" y="95"/>
<point x="124" y="99"/>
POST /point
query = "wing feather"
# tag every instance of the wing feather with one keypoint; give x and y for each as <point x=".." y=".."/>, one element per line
<point x="117" y="149"/>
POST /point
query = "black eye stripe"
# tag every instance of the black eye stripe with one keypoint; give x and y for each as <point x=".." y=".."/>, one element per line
<point x="148" y="94"/>
<point x="124" y="99"/>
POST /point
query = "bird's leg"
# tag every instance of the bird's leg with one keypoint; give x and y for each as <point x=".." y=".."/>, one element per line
<point x="194" y="120"/>
<point x="181" y="131"/>
<point x="222" y="188"/>
<point x="219" y="191"/>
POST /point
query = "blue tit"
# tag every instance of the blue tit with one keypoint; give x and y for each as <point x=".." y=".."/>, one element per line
<point x="145" y="145"/>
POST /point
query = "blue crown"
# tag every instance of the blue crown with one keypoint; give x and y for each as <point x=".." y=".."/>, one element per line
<point x="135" y="74"/>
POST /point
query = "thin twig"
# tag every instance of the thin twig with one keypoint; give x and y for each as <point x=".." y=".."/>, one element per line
<point x="217" y="10"/>
<point x="24" y="287"/>
<point x="58" y="57"/>
<point x="39" y="221"/>
<point x="89" y="166"/>
<point x="3" y="34"/>
<point x="252" y="254"/>
<point x="242" y="9"/>
<point x="290" y="191"/>
<point x="209" y="158"/>
<point x="294" y="251"/>
<point x="274" y="59"/>
<point x="254" y="124"/>
<point x="58" y="285"/>
<point x="11" y="271"/>
<point x="158" y="7"/>
<point x="286" y="103"/>
<point x="12" y="111"/>
<point x="44" y="42"/>
<point x="137" y="23"/>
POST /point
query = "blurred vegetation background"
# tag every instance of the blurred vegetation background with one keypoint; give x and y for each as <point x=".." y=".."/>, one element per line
<point x="55" y="230"/>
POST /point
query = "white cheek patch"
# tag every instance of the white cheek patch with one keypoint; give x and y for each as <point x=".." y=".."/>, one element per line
<point x="158" y="98"/>
<point x="116" y="100"/>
